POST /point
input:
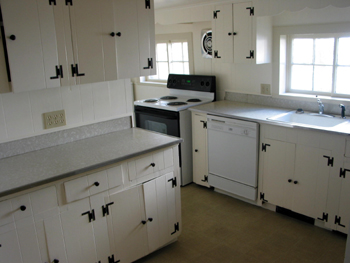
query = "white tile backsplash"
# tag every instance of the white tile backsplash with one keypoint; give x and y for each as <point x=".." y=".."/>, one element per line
<point x="21" y="113"/>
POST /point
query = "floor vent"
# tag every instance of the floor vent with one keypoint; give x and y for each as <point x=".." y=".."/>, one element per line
<point x="292" y="214"/>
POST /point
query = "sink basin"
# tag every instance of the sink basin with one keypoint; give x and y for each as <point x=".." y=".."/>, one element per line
<point x="313" y="119"/>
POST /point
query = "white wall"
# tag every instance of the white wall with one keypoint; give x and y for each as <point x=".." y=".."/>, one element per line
<point x="21" y="113"/>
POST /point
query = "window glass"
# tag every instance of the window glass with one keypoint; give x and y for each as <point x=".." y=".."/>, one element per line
<point x="323" y="78"/>
<point x="302" y="49"/>
<point x="343" y="80"/>
<point x="301" y="77"/>
<point x="324" y="51"/>
<point x="344" y="51"/>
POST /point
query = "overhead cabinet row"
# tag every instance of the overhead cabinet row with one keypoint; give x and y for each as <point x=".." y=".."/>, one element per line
<point x="71" y="42"/>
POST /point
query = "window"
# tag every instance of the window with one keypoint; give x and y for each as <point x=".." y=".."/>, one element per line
<point x="318" y="64"/>
<point x="173" y="55"/>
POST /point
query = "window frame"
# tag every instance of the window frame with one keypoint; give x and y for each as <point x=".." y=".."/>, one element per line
<point x="176" y="37"/>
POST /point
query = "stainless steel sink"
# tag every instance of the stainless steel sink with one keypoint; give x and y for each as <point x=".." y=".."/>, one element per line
<point x="309" y="118"/>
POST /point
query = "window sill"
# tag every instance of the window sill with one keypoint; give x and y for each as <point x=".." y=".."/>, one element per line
<point x="309" y="97"/>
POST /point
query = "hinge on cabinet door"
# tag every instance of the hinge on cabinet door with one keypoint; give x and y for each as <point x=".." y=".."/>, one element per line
<point x="337" y="221"/>
<point x="105" y="209"/>
<point x="111" y="259"/>
<point x="343" y="172"/>
<point x="69" y="2"/>
<point x="215" y="14"/>
<point x="251" y="10"/>
<point x="251" y="54"/>
<point x="59" y="73"/>
<point x="173" y="181"/>
<point x="75" y="71"/>
<point x="324" y="217"/>
<point x="263" y="147"/>
<point x="216" y="54"/>
<point x="149" y="63"/>
<point x="262" y="197"/>
<point x="148" y="4"/>
<point x="330" y="160"/>
<point x="205" y="178"/>
<point x="176" y="228"/>
<point x="52" y="2"/>
<point x="204" y="124"/>
<point x="91" y="215"/>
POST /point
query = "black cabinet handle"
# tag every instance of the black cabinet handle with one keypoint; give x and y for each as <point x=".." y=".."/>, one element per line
<point x="143" y="222"/>
<point x="96" y="183"/>
<point x="290" y="180"/>
<point x="112" y="34"/>
<point x="295" y="182"/>
<point x="23" y="208"/>
<point x="119" y="34"/>
<point x="153" y="164"/>
<point x="150" y="219"/>
<point x="12" y="37"/>
<point x="196" y="150"/>
<point x="55" y="261"/>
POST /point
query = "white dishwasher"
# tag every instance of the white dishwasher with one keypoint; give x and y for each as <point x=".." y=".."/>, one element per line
<point x="233" y="155"/>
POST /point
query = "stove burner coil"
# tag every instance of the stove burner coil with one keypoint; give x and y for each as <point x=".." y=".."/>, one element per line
<point x="150" y="100"/>
<point x="194" y="100"/>
<point x="168" y="98"/>
<point x="176" y="103"/>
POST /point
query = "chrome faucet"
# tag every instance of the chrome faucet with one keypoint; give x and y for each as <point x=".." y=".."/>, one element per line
<point x="320" y="106"/>
<point x="342" y="110"/>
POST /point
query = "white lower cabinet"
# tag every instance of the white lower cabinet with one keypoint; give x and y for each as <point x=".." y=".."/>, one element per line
<point x="144" y="218"/>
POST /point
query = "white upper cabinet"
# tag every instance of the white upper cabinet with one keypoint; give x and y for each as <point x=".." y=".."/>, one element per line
<point x="70" y="42"/>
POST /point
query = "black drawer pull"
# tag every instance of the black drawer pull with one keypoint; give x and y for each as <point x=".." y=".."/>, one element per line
<point x="23" y="208"/>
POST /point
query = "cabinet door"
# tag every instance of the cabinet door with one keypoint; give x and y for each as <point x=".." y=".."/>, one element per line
<point x="9" y="250"/>
<point x="160" y="206"/>
<point x="344" y="206"/>
<point x="126" y="227"/>
<point x="146" y="29"/>
<point x="87" y="32"/>
<point x="200" y="149"/>
<point x="242" y="24"/>
<point x="24" y="45"/>
<point x="311" y="181"/>
<point x="278" y="172"/>
<point x="223" y="36"/>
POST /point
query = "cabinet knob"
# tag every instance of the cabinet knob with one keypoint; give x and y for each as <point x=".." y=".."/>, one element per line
<point x="196" y="150"/>
<point x="229" y="33"/>
<point x="290" y="180"/>
<point x="22" y="207"/>
<point x="150" y="219"/>
<point x="153" y="164"/>
<point x="112" y="34"/>
<point x="119" y="34"/>
<point x="295" y="182"/>
<point x="96" y="183"/>
<point x="143" y="222"/>
<point x="55" y="261"/>
<point x="13" y="37"/>
<point x="234" y="33"/>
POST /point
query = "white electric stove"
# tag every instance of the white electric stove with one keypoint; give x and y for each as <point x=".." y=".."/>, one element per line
<point x="170" y="114"/>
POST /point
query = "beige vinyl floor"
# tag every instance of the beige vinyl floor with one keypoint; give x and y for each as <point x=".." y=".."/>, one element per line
<point x="217" y="229"/>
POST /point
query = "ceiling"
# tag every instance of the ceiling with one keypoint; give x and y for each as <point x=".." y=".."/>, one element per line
<point x="158" y="4"/>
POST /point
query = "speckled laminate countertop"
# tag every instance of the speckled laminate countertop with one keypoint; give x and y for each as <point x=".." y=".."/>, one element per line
<point x="259" y="113"/>
<point x="31" y="169"/>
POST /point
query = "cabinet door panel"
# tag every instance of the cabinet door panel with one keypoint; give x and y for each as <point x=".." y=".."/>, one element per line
<point x="25" y="53"/>
<point x="55" y="239"/>
<point x="127" y="45"/>
<point x="344" y="207"/>
<point x="130" y="235"/>
<point x="9" y="251"/>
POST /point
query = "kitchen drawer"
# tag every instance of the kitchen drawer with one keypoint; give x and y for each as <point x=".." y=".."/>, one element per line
<point x="93" y="183"/>
<point x="27" y="205"/>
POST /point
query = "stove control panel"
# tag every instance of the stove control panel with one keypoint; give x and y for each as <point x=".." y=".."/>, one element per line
<point x="192" y="82"/>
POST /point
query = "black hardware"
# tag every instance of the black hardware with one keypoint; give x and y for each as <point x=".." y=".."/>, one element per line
<point x="205" y="178"/>
<point x="150" y="219"/>
<point x="262" y="197"/>
<point x="23" y="208"/>
<point x="215" y="14"/>
<point x="204" y="124"/>
<point x="230" y="34"/>
<point x="55" y="261"/>
<point x="152" y="164"/>
<point x="330" y="160"/>
<point x="90" y="214"/>
<point x="251" y="54"/>
<point x="251" y="10"/>
<point x="216" y="54"/>
<point x="115" y="34"/>
<point x="105" y="209"/>
<point x="174" y="182"/>
<point x="69" y="2"/>
<point x="75" y="71"/>
<point x="112" y="34"/>
<point x="337" y="221"/>
<point x="96" y="183"/>
<point x="59" y="73"/>
<point x="149" y="63"/>
<point x="196" y="150"/>
<point x="143" y="222"/>
<point x="52" y="2"/>
<point x="148" y="4"/>
<point x="290" y="180"/>
<point x="343" y="172"/>
<point x="12" y="37"/>
<point x="119" y="34"/>
<point x="295" y="182"/>
<point x="263" y="147"/>
<point x="324" y="217"/>
<point x="176" y="228"/>
<point x="111" y="259"/>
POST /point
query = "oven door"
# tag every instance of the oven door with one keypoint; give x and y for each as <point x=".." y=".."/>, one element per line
<point x="158" y="120"/>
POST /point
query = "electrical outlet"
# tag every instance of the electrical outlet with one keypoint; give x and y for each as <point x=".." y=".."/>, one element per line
<point x="54" y="119"/>
<point x="265" y="89"/>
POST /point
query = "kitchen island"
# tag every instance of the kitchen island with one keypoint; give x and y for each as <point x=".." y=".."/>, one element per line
<point x="102" y="199"/>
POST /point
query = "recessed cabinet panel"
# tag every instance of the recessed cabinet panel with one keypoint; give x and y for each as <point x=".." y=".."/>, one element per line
<point x="344" y="206"/>
<point x="10" y="251"/>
